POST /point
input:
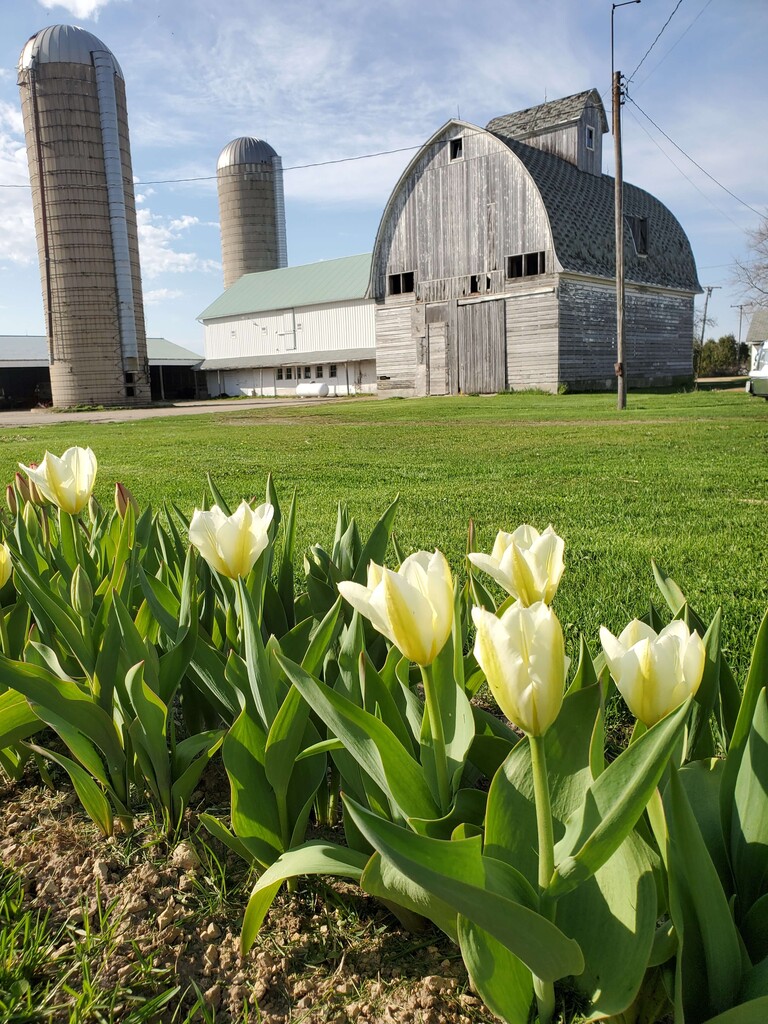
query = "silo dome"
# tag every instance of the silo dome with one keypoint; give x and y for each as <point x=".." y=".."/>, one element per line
<point x="251" y="208"/>
<point x="245" y="150"/>
<point x="63" y="44"/>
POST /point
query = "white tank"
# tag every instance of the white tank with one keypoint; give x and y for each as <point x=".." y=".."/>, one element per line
<point x="315" y="389"/>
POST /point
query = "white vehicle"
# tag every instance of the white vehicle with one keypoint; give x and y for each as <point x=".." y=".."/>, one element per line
<point x="757" y="384"/>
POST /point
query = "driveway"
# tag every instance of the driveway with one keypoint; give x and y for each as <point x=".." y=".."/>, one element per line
<point x="45" y="417"/>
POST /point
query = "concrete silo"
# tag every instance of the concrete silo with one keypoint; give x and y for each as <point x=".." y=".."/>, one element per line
<point x="76" y="128"/>
<point x="251" y="208"/>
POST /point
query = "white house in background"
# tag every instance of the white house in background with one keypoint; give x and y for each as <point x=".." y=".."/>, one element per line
<point x="272" y="331"/>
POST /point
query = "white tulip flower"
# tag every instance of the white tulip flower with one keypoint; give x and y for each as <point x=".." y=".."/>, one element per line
<point x="526" y="563"/>
<point x="6" y="566"/>
<point x="412" y="607"/>
<point x="68" y="481"/>
<point x="654" y="672"/>
<point x="523" y="657"/>
<point x="231" y="544"/>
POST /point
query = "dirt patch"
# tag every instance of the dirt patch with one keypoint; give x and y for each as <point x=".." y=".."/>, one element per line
<point x="137" y="916"/>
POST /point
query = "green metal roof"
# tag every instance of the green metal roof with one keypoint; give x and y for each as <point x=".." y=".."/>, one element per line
<point x="341" y="280"/>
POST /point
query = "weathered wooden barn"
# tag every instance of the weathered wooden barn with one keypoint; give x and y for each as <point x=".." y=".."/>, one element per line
<point x="493" y="267"/>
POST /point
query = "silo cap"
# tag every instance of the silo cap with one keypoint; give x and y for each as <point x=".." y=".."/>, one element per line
<point x="245" y="150"/>
<point x="63" y="44"/>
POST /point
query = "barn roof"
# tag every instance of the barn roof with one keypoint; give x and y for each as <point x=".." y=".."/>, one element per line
<point x="581" y="214"/>
<point x="555" y="114"/>
<point x="340" y="280"/>
<point x="25" y="350"/>
<point x="758" y="327"/>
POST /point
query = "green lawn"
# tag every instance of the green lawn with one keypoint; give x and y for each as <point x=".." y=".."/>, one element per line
<point x="678" y="477"/>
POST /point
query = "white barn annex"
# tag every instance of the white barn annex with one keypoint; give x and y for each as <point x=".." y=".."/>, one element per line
<point x="276" y="331"/>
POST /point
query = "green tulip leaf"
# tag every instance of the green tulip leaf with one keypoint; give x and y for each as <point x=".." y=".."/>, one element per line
<point x="372" y="744"/>
<point x="315" y="858"/>
<point x="754" y="930"/>
<point x="375" y="549"/>
<point x="613" y="804"/>
<point x="488" y="892"/>
<point x="613" y="918"/>
<point x="753" y="1012"/>
<point x="91" y="797"/>
<point x="709" y="961"/>
<point x="410" y="901"/>
<point x="262" y="686"/>
<point x="47" y="609"/>
<point x="246" y="849"/>
<point x="17" y="719"/>
<point x="254" y="810"/>
<point x="754" y="984"/>
<point x="511" y="832"/>
<point x="285" y="569"/>
<point x="758" y="673"/>
<point x="498" y="976"/>
<point x="749" y="818"/>
<point x="701" y="781"/>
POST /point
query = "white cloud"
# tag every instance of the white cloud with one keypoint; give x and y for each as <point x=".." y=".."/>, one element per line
<point x="77" y="8"/>
<point x="157" y="235"/>
<point x="17" y="238"/>
<point x="159" y="295"/>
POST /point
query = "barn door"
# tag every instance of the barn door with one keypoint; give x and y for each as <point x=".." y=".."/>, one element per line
<point x="482" y="348"/>
<point x="437" y="363"/>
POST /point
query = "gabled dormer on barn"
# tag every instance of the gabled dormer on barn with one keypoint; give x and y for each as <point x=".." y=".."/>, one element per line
<point x="571" y="128"/>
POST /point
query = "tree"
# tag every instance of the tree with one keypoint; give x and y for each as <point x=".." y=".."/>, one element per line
<point x="751" y="272"/>
<point x="721" y="358"/>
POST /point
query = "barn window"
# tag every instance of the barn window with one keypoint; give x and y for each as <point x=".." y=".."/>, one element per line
<point x="332" y="370"/>
<point x="456" y="148"/>
<point x="307" y="373"/>
<point x="401" y="284"/>
<point x="319" y="373"/>
<point x="590" y="137"/>
<point x="289" y="373"/>
<point x="279" y="374"/>
<point x="638" y="228"/>
<point x="526" y="264"/>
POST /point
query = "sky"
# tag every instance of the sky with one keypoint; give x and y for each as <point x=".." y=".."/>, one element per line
<point x="333" y="80"/>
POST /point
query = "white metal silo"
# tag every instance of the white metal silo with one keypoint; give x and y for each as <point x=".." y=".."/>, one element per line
<point x="251" y="208"/>
<point x="76" y="128"/>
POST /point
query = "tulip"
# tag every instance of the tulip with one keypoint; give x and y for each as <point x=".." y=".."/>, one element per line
<point x="523" y="657"/>
<point x="6" y="566"/>
<point x="11" y="499"/>
<point x="81" y="592"/>
<point x="68" y="481"/>
<point x="526" y="563"/>
<point x="654" y="672"/>
<point x="231" y="544"/>
<point x="124" y="498"/>
<point x="412" y="607"/>
<point x="22" y="486"/>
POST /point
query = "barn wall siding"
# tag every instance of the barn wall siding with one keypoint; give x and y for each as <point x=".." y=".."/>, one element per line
<point x="657" y="344"/>
<point x="532" y="341"/>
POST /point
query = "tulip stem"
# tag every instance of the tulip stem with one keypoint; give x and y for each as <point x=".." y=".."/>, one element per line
<point x="438" y="739"/>
<point x="545" y="991"/>
<point x="4" y="642"/>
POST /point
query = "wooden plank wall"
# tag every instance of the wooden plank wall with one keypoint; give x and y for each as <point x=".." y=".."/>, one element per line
<point x="397" y="352"/>
<point x="658" y="336"/>
<point x="532" y="341"/>
<point x="482" y="353"/>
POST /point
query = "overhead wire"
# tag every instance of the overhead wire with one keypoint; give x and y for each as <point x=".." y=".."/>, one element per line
<point x="672" y="47"/>
<point x="658" y="37"/>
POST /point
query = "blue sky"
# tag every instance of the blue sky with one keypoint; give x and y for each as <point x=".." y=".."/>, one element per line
<point x="332" y="79"/>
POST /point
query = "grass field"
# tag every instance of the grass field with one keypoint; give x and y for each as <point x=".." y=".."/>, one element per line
<point x="680" y="478"/>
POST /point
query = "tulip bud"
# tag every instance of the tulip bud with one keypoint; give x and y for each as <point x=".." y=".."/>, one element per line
<point x="526" y="563"/>
<point x="655" y="673"/>
<point x="124" y="498"/>
<point x="6" y="565"/>
<point x="22" y="487"/>
<point x="81" y="592"/>
<point x="412" y="607"/>
<point x="231" y="544"/>
<point x="94" y="510"/>
<point x="29" y="515"/>
<point x="35" y="496"/>
<point x="11" y="499"/>
<point x="523" y="657"/>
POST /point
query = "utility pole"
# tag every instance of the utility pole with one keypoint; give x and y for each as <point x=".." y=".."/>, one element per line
<point x="740" y="306"/>
<point x="616" y="101"/>
<point x="708" y="288"/>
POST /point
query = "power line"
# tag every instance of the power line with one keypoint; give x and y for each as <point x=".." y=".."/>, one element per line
<point x="677" y="167"/>
<point x="694" y="162"/>
<point x="658" y="37"/>
<point x="677" y="41"/>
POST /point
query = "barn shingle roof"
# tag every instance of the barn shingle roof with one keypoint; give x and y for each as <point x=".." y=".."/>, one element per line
<point x="580" y="208"/>
<point x="758" y="327"/>
<point x="554" y="114"/>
